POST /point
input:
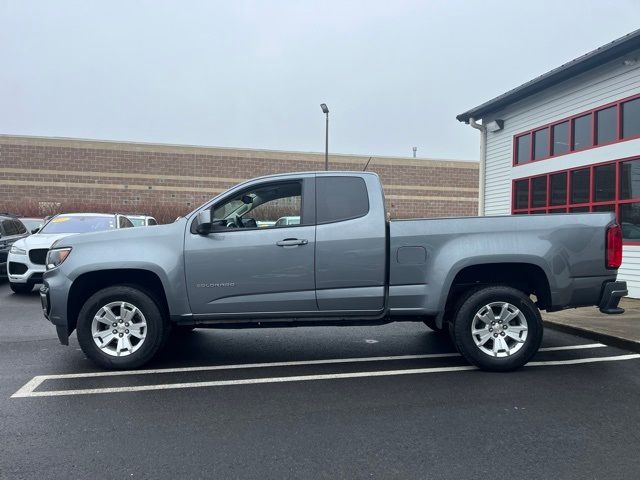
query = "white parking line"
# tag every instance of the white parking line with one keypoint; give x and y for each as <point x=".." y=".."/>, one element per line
<point x="28" y="390"/>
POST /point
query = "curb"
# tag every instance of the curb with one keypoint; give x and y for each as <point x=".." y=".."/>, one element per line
<point x="605" y="338"/>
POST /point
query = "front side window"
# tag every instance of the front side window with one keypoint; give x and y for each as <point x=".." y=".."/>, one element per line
<point x="263" y="206"/>
<point x="340" y="198"/>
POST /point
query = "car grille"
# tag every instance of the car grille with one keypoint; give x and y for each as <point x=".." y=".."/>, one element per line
<point x="38" y="255"/>
<point x="16" y="268"/>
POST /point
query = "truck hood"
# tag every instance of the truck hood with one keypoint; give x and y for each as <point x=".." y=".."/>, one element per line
<point x="40" y="240"/>
<point x="113" y="237"/>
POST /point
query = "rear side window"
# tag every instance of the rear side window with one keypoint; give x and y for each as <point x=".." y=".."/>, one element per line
<point x="125" y="222"/>
<point x="152" y="221"/>
<point x="340" y="198"/>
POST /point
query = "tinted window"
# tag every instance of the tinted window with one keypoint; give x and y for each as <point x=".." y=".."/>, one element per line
<point x="631" y="118"/>
<point x="539" y="192"/>
<point x="79" y="224"/>
<point x="630" y="179"/>
<point x="340" y="198"/>
<point x="558" y="192"/>
<point x="523" y="148"/>
<point x="152" y="221"/>
<point x="560" y="138"/>
<point x="20" y="228"/>
<point x="630" y="221"/>
<point x="541" y="144"/>
<point x="606" y="125"/>
<point x="580" y="186"/>
<point x="9" y="227"/>
<point x="582" y="132"/>
<point x="522" y="194"/>
<point x="604" y="183"/>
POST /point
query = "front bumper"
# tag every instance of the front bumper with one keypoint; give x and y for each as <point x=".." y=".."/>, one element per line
<point x="611" y="295"/>
<point x="32" y="274"/>
<point x="53" y="298"/>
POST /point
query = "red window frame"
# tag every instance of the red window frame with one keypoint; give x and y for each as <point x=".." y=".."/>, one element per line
<point x="549" y="127"/>
<point x="568" y="205"/>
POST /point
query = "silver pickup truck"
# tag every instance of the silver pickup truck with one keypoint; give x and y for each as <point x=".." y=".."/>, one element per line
<point x="482" y="280"/>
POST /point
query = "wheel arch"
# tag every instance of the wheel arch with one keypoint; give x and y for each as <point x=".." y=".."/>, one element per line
<point x="527" y="277"/>
<point x="89" y="283"/>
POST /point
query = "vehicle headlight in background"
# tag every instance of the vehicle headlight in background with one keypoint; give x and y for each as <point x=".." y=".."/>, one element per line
<point x="17" y="251"/>
<point x="56" y="256"/>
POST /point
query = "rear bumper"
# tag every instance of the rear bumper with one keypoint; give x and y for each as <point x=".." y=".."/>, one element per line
<point x="611" y="295"/>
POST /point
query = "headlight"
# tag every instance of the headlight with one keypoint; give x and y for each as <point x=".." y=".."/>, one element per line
<point x="56" y="256"/>
<point x="17" y="251"/>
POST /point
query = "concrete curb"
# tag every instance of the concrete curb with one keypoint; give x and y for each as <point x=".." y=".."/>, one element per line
<point x="605" y="338"/>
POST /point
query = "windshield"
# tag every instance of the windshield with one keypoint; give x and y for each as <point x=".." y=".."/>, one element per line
<point x="79" y="224"/>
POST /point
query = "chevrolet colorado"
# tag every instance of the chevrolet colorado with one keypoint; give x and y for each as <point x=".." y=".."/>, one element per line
<point x="483" y="280"/>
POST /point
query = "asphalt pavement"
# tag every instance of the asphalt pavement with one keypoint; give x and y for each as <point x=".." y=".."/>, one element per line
<point x="387" y="402"/>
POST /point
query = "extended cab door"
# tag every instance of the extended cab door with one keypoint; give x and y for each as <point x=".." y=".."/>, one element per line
<point x="351" y="250"/>
<point x="256" y="266"/>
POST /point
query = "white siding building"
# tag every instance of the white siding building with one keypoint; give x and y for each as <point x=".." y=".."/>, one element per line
<point x="569" y="141"/>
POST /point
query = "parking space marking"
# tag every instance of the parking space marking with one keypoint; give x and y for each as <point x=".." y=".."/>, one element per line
<point x="28" y="390"/>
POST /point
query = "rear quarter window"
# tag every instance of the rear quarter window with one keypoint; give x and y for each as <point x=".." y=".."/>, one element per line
<point x="340" y="198"/>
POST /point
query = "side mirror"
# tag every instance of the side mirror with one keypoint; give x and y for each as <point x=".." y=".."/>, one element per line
<point x="203" y="222"/>
<point x="35" y="230"/>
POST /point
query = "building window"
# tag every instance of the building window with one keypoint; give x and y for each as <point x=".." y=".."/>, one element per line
<point x="539" y="192"/>
<point x="523" y="149"/>
<point x="522" y="194"/>
<point x="615" y="122"/>
<point x="560" y="138"/>
<point x="606" y="125"/>
<point x="580" y="180"/>
<point x="558" y="189"/>
<point x="541" y="144"/>
<point x="631" y="118"/>
<point x="604" y="183"/>
<point x="582" y="132"/>
<point x="607" y="187"/>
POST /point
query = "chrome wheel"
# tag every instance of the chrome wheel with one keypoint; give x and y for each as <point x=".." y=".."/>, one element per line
<point x="119" y="329"/>
<point x="499" y="329"/>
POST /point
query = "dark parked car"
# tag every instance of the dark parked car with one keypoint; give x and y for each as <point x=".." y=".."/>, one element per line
<point x="11" y="229"/>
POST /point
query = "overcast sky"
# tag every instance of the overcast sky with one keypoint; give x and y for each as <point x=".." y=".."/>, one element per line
<point x="253" y="73"/>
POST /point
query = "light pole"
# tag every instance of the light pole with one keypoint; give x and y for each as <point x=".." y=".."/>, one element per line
<point x="325" y="110"/>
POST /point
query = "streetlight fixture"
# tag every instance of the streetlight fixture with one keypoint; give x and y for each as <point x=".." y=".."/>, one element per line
<point x="325" y="110"/>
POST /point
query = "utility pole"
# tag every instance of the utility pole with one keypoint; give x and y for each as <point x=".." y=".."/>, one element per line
<point x="325" y="110"/>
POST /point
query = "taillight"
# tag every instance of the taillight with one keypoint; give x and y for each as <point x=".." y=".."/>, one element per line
<point x="614" y="247"/>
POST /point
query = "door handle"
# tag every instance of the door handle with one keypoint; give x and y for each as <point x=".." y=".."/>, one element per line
<point x="291" y="242"/>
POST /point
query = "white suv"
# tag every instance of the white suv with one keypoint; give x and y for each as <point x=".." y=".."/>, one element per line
<point x="26" y="260"/>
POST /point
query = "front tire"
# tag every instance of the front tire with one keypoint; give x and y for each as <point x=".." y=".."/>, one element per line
<point x="497" y="328"/>
<point x="21" y="288"/>
<point x="121" y="327"/>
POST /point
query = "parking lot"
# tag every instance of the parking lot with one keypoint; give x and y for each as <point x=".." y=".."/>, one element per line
<point x="370" y="402"/>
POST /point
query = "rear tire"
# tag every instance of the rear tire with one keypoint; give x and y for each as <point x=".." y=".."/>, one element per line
<point x="21" y="288"/>
<point x="137" y="320"/>
<point x="497" y="328"/>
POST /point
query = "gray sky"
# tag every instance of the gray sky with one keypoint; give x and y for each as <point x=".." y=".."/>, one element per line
<point x="253" y="73"/>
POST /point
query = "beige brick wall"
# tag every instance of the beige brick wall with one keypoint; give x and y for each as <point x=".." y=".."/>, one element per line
<point x="46" y="175"/>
